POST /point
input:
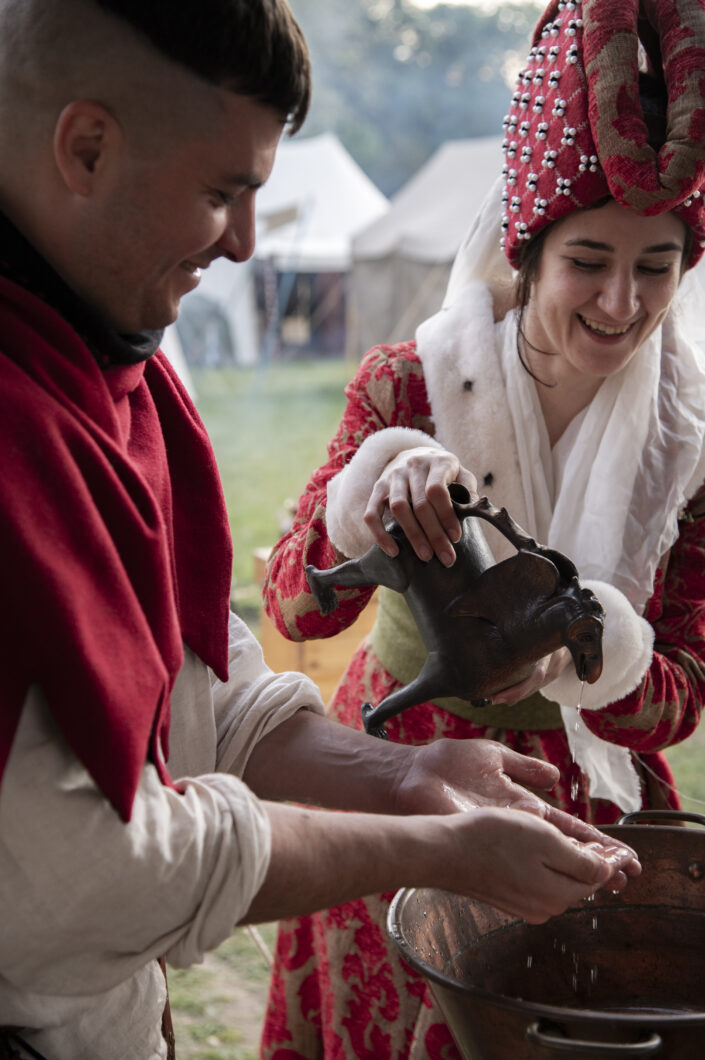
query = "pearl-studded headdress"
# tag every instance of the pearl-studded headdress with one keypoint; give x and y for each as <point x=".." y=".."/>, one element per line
<point x="575" y="131"/>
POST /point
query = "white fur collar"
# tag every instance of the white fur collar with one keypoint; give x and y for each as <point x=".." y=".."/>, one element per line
<point x="467" y="394"/>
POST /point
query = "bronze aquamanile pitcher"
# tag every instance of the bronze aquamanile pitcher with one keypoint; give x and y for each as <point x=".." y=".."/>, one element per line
<point x="484" y="625"/>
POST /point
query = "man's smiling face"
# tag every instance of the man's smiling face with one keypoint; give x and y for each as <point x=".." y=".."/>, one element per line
<point x="155" y="223"/>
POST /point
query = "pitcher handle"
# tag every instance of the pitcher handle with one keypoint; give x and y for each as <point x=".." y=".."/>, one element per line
<point x="649" y="1047"/>
<point x="664" y="816"/>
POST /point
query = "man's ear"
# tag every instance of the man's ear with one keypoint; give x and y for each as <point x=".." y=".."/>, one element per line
<point x="85" y="136"/>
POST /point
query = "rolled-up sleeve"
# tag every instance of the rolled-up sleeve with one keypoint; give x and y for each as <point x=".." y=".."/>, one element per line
<point x="254" y="700"/>
<point x="88" y="899"/>
<point x="216" y="724"/>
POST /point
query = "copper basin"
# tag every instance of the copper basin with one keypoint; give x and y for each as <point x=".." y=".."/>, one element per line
<point x="617" y="976"/>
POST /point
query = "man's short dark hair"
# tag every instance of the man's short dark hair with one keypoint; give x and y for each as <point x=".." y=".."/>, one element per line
<point x="253" y="47"/>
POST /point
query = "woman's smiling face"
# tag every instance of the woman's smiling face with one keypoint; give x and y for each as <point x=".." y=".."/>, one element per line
<point x="604" y="283"/>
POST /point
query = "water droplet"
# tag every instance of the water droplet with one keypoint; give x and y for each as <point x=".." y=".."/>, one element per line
<point x="696" y="870"/>
<point x="529" y="961"/>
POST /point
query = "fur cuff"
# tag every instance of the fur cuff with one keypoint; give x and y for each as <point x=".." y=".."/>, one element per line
<point x="627" y="647"/>
<point x="349" y="492"/>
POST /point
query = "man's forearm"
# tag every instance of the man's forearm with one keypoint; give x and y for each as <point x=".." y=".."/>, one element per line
<point x="323" y="763"/>
<point x="320" y="859"/>
<point x="514" y="860"/>
<point x="313" y="760"/>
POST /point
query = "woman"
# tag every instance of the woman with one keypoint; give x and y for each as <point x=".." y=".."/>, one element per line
<point x="572" y="395"/>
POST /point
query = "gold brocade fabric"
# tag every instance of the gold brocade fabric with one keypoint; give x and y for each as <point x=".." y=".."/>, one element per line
<point x="397" y="643"/>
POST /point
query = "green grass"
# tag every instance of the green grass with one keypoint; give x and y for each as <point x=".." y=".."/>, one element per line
<point x="218" y="1007"/>
<point x="687" y="760"/>
<point x="269" y="430"/>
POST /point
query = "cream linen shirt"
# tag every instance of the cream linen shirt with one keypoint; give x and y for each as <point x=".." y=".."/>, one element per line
<point x="88" y="901"/>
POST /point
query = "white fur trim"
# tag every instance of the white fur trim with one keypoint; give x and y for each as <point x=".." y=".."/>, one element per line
<point x="349" y="492"/>
<point x="627" y="647"/>
<point x="459" y="346"/>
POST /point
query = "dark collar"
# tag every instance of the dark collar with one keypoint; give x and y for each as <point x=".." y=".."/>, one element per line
<point x="22" y="264"/>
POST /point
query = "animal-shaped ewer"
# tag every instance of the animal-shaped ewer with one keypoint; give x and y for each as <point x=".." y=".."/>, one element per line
<point x="485" y="625"/>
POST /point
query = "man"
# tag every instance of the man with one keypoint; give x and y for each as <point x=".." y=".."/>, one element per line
<point x="133" y="138"/>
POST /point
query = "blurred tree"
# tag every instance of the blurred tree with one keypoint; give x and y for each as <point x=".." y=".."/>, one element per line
<point x="395" y="81"/>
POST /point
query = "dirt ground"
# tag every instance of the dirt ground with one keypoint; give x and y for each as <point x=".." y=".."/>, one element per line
<point x="218" y="1007"/>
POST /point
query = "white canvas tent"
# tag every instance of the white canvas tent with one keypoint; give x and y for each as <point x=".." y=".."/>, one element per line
<point x="401" y="262"/>
<point x="324" y="199"/>
<point x="316" y="199"/>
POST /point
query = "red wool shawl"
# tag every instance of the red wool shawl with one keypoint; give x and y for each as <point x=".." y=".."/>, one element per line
<point x="114" y="544"/>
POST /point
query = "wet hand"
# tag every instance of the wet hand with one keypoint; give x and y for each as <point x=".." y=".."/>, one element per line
<point x="448" y="776"/>
<point x="620" y="858"/>
<point x="524" y="865"/>
<point x="453" y="776"/>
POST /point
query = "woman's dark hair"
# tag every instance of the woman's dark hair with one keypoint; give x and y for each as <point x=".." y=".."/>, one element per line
<point x="252" y="47"/>
<point x="527" y="276"/>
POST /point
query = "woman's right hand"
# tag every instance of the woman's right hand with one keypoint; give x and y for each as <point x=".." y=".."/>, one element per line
<point x="414" y="488"/>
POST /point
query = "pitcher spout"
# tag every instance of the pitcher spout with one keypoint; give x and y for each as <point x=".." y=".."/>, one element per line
<point x="584" y="641"/>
